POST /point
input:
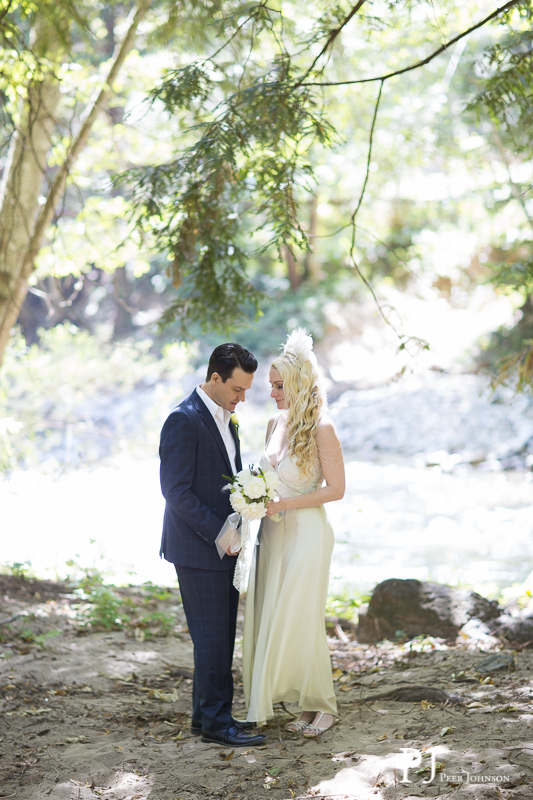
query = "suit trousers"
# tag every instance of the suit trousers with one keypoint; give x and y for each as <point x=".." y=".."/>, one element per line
<point x="210" y="603"/>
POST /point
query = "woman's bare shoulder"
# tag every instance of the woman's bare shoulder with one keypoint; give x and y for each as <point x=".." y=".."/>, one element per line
<point x="326" y="433"/>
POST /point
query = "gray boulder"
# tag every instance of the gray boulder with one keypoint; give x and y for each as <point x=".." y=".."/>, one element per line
<point x="417" y="608"/>
<point x="517" y="630"/>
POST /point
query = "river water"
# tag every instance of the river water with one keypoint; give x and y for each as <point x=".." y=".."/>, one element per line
<point x="398" y="519"/>
<point x="404" y="521"/>
<point x="439" y="467"/>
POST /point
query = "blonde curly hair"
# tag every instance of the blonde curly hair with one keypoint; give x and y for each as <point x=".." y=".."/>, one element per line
<point x="305" y="401"/>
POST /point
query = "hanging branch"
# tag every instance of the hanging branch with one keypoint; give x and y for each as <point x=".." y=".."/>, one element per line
<point x="354" y="215"/>
<point x="331" y="38"/>
<point x="404" y="340"/>
<point x="249" y="155"/>
<point x="369" y="156"/>
<point x="429" y="58"/>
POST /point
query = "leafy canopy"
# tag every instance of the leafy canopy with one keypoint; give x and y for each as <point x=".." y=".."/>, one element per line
<point x="256" y="112"/>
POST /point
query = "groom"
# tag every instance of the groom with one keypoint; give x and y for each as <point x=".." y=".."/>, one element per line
<point x="199" y="445"/>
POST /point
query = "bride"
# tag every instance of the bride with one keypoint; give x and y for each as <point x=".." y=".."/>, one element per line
<point x="285" y="650"/>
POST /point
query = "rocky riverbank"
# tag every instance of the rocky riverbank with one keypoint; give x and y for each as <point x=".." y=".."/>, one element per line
<point x="448" y="420"/>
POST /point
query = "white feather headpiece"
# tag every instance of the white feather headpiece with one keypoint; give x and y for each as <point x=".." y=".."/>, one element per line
<point x="300" y="344"/>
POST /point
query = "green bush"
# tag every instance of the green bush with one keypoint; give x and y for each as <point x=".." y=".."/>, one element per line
<point x="102" y="607"/>
<point x="345" y="604"/>
<point x="60" y="400"/>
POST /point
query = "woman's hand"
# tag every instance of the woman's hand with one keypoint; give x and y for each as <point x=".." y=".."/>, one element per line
<point x="275" y="506"/>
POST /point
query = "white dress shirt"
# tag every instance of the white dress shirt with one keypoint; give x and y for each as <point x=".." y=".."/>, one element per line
<point x="222" y="419"/>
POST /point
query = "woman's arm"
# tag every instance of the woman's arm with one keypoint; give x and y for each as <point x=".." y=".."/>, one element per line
<point x="332" y="463"/>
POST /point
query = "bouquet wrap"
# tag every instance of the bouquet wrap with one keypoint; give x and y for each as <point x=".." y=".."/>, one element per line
<point x="250" y="491"/>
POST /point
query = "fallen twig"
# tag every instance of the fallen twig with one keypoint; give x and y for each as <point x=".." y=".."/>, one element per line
<point x="340" y="633"/>
<point x="4" y="622"/>
<point x="286" y="710"/>
<point x="348" y="624"/>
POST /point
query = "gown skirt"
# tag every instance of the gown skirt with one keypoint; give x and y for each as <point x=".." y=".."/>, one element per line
<point x="285" y="649"/>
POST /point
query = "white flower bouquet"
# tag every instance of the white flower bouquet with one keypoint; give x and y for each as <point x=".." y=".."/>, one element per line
<point x="251" y="489"/>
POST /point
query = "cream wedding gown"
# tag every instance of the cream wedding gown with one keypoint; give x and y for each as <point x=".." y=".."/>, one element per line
<point x="285" y="650"/>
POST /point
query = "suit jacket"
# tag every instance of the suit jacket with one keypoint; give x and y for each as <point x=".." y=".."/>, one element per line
<point x="193" y="461"/>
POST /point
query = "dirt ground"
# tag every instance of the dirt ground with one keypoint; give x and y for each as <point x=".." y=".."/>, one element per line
<point x="87" y="715"/>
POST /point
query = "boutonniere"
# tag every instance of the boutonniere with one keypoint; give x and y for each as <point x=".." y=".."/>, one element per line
<point x="235" y="421"/>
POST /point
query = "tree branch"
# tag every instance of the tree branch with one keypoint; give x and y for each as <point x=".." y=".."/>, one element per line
<point x="58" y="185"/>
<point x="424" y="61"/>
<point x="11" y="619"/>
<point x="6" y="10"/>
<point x="57" y="188"/>
<point x="369" y="156"/>
<point x="331" y="38"/>
<point x="352" y="220"/>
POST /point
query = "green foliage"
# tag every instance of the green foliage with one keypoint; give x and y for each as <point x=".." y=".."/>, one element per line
<point x="71" y="43"/>
<point x="41" y="639"/>
<point x="102" y="607"/>
<point x="258" y="128"/>
<point x="152" y="623"/>
<point x="238" y="141"/>
<point x="26" y="635"/>
<point x="248" y="162"/>
<point x="34" y="38"/>
<point x="517" y="369"/>
<point x="518" y="275"/>
<point x="509" y="87"/>
<point x="345" y="604"/>
<point x="101" y="604"/>
<point x="18" y="569"/>
<point x="49" y="392"/>
<point x="508" y="353"/>
<point x="155" y="593"/>
<point x="283" y="310"/>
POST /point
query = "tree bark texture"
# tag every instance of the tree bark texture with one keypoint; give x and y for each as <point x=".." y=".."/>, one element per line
<point x="22" y="185"/>
<point x="23" y="221"/>
<point x="295" y="276"/>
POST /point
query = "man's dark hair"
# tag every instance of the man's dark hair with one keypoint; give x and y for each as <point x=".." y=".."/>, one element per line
<point x="227" y="357"/>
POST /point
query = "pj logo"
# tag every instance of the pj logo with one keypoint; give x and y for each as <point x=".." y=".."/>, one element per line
<point x="412" y="759"/>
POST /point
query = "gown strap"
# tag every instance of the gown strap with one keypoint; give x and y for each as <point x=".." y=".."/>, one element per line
<point x="274" y="426"/>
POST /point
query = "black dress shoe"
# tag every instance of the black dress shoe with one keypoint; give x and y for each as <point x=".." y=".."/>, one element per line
<point x="244" y="724"/>
<point x="233" y="737"/>
<point x="196" y="725"/>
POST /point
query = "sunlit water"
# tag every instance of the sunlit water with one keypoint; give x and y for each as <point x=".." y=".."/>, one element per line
<point x="401" y="521"/>
<point x="399" y="518"/>
<point x="396" y="520"/>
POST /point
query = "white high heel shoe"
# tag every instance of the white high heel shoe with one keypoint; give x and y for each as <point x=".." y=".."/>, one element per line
<point x="297" y="725"/>
<point x="314" y="730"/>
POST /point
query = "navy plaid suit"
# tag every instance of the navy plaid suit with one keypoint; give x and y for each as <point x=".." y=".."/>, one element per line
<point x="193" y="461"/>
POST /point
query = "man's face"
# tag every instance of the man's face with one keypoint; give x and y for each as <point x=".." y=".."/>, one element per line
<point x="230" y="394"/>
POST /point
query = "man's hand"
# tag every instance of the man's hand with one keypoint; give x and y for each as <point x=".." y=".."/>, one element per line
<point x="234" y="546"/>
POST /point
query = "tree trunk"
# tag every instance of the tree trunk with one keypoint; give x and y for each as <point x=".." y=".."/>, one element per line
<point x="123" y="325"/>
<point x="295" y="276"/>
<point x="22" y="185"/>
<point x="311" y="265"/>
<point x="21" y="227"/>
